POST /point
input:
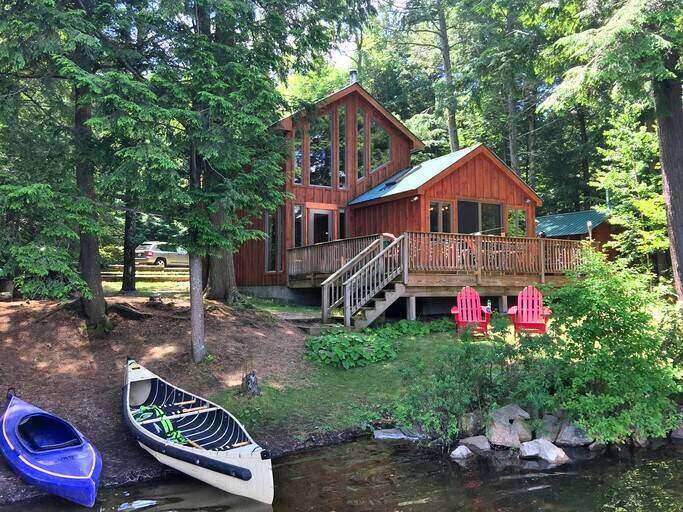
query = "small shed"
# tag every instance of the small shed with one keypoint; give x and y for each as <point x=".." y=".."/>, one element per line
<point x="577" y="226"/>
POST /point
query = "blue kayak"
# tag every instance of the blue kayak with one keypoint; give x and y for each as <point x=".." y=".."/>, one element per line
<point x="49" y="452"/>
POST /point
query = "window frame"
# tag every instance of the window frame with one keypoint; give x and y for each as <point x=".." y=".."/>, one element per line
<point x="375" y="122"/>
<point x="501" y="207"/>
<point x="440" y="203"/>
<point x="299" y="127"/>
<point x="311" y="224"/>
<point x="329" y="115"/>
<point x="361" y="113"/>
<point x="303" y="225"/>
<point x="267" y="219"/>
<point x="341" y="165"/>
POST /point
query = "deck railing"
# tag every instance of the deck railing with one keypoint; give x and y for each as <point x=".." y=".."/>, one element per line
<point x="485" y="254"/>
<point x="326" y="257"/>
<point x="372" y="277"/>
<point x="333" y="286"/>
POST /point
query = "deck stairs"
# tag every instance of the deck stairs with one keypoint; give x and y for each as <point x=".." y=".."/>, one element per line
<point x="369" y="283"/>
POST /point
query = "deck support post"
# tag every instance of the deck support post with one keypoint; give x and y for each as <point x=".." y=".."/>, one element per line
<point x="411" y="307"/>
<point x="541" y="257"/>
<point x="503" y="306"/>
<point x="347" y="306"/>
<point x="326" y="304"/>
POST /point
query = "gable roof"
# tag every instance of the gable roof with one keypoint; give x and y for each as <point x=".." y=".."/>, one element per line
<point x="417" y="144"/>
<point x="418" y="176"/>
<point x="566" y="224"/>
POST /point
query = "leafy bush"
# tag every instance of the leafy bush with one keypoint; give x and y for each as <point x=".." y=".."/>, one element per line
<point x="341" y="348"/>
<point x="611" y="363"/>
<point x="612" y="358"/>
<point x="111" y="254"/>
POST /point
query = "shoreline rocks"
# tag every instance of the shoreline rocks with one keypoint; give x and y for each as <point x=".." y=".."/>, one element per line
<point x="571" y="435"/>
<point x="543" y="449"/>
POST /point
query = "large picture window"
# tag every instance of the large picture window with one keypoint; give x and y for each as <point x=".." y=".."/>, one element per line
<point x="360" y="142"/>
<point x="321" y="151"/>
<point x="341" y="147"/>
<point x="297" y="156"/>
<point x="484" y="218"/>
<point x="273" y="230"/>
<point x="440" y="217"/>
<point x="380" y="146"/>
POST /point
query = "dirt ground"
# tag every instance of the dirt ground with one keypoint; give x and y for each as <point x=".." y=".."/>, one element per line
<point x="57" y="365"/>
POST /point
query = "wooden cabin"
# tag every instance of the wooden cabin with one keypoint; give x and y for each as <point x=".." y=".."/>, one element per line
<point x="365" y="228"/>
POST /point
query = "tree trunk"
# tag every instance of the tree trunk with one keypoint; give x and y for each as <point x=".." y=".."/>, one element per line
<point x="128" y="284"/>
<point x="222" y="284"/>
<point x="585" y="167"/>
<point x="512" y="134"/>
<point x="196" y="279"/>
<point x="451" y="98"/>
<point x="197" y="308"/>
<point x="531" y="139"/>
<point x="95" y="308"/>
<point x="670" y="121"/>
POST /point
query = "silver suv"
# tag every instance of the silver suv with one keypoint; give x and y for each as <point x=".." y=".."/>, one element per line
<point x="160" y="254"/>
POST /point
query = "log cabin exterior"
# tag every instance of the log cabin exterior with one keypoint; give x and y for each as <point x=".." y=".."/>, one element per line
<point x="360" y="210"/>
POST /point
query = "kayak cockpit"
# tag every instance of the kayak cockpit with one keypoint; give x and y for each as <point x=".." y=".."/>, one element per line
<point x="42" y="432"/>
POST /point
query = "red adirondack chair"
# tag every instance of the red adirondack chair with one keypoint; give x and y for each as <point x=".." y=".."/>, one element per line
<point x="469" y="312"/>
<point x="529" y="315"/>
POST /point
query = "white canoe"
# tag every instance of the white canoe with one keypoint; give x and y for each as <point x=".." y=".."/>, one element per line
<point x="217" y="450"/>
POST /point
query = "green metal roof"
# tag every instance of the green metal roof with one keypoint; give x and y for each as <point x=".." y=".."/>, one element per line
<point x="566" y="224"/>
<point x="411" y="178"/>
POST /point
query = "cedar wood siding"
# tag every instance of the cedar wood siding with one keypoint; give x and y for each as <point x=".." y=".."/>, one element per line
<point x="250" y="259"/>
<point x="478" y="178"/>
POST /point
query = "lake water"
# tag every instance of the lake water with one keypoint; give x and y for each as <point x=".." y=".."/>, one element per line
<point x="387" y="476"/>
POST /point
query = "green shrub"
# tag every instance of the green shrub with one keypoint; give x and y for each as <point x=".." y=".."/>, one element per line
<point x="111" y="254"/>
<point x="341" y="348"/>
<point x="610" y="362"/>
<point x="612" y="354"/>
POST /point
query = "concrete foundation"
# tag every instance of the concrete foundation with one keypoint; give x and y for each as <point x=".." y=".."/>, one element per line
<point x="301" y="296"/>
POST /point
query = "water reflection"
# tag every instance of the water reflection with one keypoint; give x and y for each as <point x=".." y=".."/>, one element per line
<point x="387" y="476"/>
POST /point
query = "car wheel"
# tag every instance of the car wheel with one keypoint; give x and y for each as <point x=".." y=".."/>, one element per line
<point x="160" y="262"/>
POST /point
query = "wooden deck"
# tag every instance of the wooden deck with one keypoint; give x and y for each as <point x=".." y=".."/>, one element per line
<point x="353" y="272"/>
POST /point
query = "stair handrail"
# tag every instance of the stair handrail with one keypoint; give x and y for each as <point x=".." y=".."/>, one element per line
<point x="372" y="277"/>
<point x="332" y="287"/>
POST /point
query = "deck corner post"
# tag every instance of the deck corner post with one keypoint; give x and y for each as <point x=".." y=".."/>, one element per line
<point x="405" y="260"/>
<point x="478" y="257"/>
<point x="412" y="308"/>
<point x="347" y="306"/>
<point x="326" y="303"/>
<point x="541" y="257"/>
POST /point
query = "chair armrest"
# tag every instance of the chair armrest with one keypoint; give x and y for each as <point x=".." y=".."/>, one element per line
<point x="547" y="311"/>
<point x="454" y="310"/>
<point x="512" y="310"/>
<point x="487" y="312"/>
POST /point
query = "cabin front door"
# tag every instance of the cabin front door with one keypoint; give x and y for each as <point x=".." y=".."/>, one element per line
<point x="320" y="226"/>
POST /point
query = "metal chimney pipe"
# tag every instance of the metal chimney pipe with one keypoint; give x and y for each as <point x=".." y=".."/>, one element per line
<point x="353" y="76"/>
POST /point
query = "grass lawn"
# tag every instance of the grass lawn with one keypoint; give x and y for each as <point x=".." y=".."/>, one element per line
<point x="330" y="399"/>
<point x="147" y="288"/>
<point x="281" y="306"/>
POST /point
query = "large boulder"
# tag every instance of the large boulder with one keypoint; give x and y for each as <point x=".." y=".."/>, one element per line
<point x="523" y="431"/>
<point x="550" y="427"/>
<point x="543" y="449"/>
<point x="509" y="413"/>
<point x="571" y="435"/>
<point x="476" y="443"/>
<point x="503" y="434"/>
<point x="461" y="453"/>
<point x="677" y="435"/>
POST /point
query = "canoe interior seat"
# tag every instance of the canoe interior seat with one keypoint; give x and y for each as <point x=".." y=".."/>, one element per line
<point x="42" y="432"/>
<point x="212" y="429"/>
